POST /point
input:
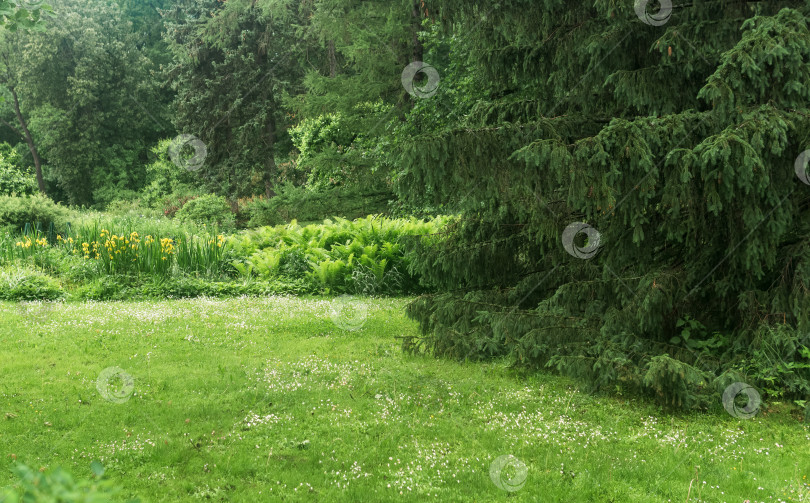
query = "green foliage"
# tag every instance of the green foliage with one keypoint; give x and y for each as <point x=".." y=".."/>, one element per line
<point x="305" y="205"/>
<point x="778" y="359"/>
<point x="676" y="143"/>
<point x="321" y="142"/>
<point x="165" y="179"/>
<point x="131" y="208"/>
<point x="354" y="95"/>
<point x="16" y="15"/>
<point x="335" y="151"/>
<point x="236" y="53"/>
<point x="181" y="286"/>
<point x="18" y="282"/>
<point x="208" y="209"/>
<point x="16" y="212"/>
<point x="85" y="89"/>
<point x="364" y="256"/>
<point x="57" y="485"/>
<point x="14" y="179"/>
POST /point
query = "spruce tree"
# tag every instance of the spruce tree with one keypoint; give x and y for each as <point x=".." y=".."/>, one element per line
<point x="633" y="206"/>
<point x="234" y="65"/>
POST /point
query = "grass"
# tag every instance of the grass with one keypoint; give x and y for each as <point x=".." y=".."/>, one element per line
<point x="277" y="399"/>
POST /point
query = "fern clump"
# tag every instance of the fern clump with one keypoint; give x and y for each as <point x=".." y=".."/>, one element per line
<point x="364" y="256"/>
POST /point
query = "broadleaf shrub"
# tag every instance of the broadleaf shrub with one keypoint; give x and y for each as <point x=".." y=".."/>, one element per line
<point x="209" y="209"/>
<point x="14" y="179"/>
<point x="17" y="211"/>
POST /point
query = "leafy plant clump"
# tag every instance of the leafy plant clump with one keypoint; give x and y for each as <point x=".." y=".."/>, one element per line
<point x="209" y="210"/>
<point x="57" y="485"/>
<point x="25" y="283"/>
<point x="34" y="210"/>
<point x="366" y="255"/>
<point x="14" y="179"/>
<point x="305" y="205"/>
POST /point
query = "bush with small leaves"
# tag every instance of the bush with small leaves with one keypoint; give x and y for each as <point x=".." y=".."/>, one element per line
<point x="209" y="210"/>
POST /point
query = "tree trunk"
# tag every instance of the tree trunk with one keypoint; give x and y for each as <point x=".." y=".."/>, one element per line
<point x="332" y="59"/>
<point x="270" y="166"/>
<point x="418" y="49"/>
<point x="28" y="139"/>
<point x="270" y="136"/>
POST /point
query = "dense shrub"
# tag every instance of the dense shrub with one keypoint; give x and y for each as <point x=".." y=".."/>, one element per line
<point x="130" y="207"/>
<point x="324" y="144"/>
<point x="16" y="211"/>
<point x="173" y="204"/>
<point x="23" y="283"/>
<point x="165" y="179"/>
<point x="105" y="195"/>
<point x="14" y="179"/>
<point x="304" y="205"/>
<point x="209" y="209"/>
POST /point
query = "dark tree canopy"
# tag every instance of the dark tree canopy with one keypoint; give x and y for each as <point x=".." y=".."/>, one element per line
<point x="675" y="141"/>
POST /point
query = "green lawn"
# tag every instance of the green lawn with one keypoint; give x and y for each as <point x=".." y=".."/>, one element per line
<point x="271" y="400"/>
